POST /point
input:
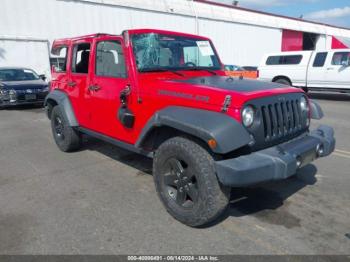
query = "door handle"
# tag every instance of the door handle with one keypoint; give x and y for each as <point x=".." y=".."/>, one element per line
<point x="94" y="88"/>
<point x="330" y="68"/>
<point x="71" y="84"/>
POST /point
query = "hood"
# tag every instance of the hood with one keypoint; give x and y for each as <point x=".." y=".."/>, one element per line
<point x="241" y="90"/>
<point x="210" y="92"/>
<point x="19" y="85"/>
<point x="232" y="84"/>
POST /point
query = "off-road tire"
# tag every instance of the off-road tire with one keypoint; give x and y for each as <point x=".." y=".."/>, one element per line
<point x="67" y="139"/>
<point x="212" y="198"/>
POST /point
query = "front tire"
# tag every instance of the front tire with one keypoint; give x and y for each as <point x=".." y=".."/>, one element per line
<point x="66" y="138"/>
<point x="186" y="182"/>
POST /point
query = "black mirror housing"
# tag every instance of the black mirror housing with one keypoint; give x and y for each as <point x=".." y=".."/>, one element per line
<point x="43" y="77"/>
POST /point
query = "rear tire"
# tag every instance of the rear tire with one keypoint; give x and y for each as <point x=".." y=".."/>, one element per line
<point x="186" y="182"/>
<point x="66" y="138"/>
<point x="283" y="81"/>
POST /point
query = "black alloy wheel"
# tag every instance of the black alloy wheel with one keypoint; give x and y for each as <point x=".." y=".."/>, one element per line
<point x="181" y="183"/>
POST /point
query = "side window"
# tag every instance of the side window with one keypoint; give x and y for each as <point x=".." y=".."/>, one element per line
<point x="340" y="57"/>
<point x="58" y="58"/>
<point x="80" y="61"/>
<point x="320" y="59"/>
<point x="292" y="59"/>
<point x="284" y="60"/>
<point x="274" y="60"/>
<point x="110" y="59"/>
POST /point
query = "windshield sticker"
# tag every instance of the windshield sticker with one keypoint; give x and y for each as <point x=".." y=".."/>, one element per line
<point x="205" y="48"/>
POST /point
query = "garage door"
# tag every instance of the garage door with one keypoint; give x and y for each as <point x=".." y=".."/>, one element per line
<point x="32" y="54"/>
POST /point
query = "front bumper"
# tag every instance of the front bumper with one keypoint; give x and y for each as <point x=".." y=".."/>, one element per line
<point x="20" y="99"/>
<point x="278" y="162"/>
<point x="17" y="103"/>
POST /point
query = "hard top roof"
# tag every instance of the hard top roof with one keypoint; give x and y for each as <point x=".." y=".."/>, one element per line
<point x="65" y="41"/>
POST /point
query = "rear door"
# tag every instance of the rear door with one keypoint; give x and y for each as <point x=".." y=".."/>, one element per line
<point x="78" y="80"/>
<point x="317" y="70"/>
<point x="338" y="71"/>
<point x="108" y="78"/>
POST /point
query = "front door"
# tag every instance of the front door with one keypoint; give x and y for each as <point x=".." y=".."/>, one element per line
<point x="338" y="71"/>
<point x="317" y="70"/>
<point x="107" y="80"/>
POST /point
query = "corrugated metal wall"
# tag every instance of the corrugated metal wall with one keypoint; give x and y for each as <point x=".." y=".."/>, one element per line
<point x="241" y="37"/>
<point x="239" y="43"/>
<point x="29" y="53"/>
<point x="51" y="19"/>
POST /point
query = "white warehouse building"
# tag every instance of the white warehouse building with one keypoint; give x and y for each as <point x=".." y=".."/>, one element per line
<point x="241" y="36"/>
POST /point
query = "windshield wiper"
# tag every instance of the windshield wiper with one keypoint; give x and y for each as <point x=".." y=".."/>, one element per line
<point x="200" y="69"/>
<point x="161" y="70"/>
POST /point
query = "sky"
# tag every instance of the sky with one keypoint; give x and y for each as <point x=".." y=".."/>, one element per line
<point x="335" y="12"/>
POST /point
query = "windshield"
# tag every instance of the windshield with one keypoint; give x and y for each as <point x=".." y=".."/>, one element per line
<point x="168" y="52"/>
<point x="17" y="75"/>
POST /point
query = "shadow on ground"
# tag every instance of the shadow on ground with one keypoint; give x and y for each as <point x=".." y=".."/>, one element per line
<point x="267" y="202"/>
<point x="140" y="162"/>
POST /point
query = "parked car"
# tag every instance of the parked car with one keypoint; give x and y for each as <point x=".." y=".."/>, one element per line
<point x="165" y="95"/>
<point x="21" y="86"/>
<point x="309" y="70"/>
<point x="237" y="71"/>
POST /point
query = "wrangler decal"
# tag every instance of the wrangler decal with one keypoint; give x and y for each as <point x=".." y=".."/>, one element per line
<point x="184" y="95"/>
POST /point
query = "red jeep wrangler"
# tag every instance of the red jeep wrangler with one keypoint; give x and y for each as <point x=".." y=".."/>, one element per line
<point x="165" y="95"/>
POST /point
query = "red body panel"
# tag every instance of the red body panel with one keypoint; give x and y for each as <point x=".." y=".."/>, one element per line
<point x="97" y="110"/>
<point x="292" y="40"/>
<point x="337" y="44"/>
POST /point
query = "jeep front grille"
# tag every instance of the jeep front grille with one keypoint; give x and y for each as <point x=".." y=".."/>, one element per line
<point x="278" y="119"/>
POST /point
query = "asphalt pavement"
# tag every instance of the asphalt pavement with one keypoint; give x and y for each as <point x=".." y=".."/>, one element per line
<point x="102" y="200"/>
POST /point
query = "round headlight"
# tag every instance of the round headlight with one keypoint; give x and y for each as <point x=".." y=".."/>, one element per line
<point x="304" y="105"/>
<point x="248" y="116"/>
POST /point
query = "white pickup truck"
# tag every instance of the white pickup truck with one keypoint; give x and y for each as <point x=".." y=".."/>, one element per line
<point x="309" y="70"/>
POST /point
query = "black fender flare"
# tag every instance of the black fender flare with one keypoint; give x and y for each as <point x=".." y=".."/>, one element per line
<point x="203" y="124"/>
<point x="62" y="100"/>
<point x="316" y="110"/>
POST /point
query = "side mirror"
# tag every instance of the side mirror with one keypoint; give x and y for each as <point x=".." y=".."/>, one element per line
<point x="345" y="63"/>
<point x="43" y="77"/>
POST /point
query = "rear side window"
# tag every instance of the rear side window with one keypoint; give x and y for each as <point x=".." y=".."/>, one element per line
<point x="340" y="57"/>
<point x="81" y="57"/>
<point x="320" y="59"/>
<point x="284" y="60"/>
<point x="110" y="59"/>
<point x="58" y="58"/>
